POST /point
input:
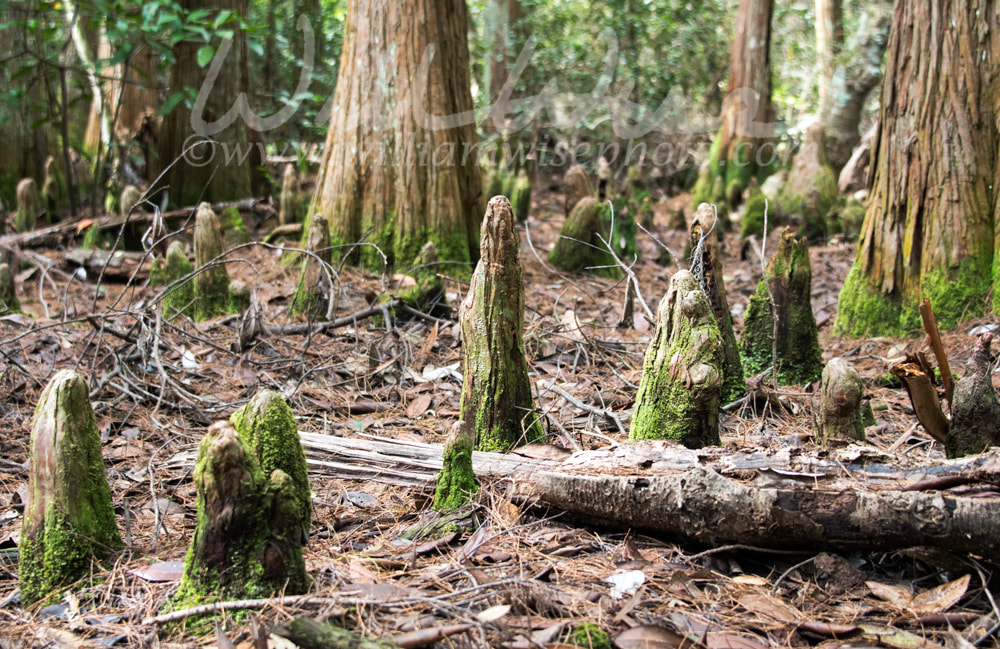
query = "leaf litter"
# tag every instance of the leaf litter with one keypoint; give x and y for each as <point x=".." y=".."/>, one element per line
<point x="505" y="572"/>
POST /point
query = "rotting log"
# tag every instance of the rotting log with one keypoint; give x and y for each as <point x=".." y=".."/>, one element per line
<point x="975" y="413"/>
<point x="702" y="506"/>
<point x="69" y="521"/>
<point x="576" y="185"/>
<point x="792" y="346"/>
<point x="496" y="391"/>
<point x="708" y="261"/>
<point x="312" y="295"/>
<point x="839" y="406"/>
<point x="457" y="481"/>
<point x="681" y="382"/>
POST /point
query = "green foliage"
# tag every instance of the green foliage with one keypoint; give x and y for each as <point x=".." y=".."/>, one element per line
<point x="589" y="636"/>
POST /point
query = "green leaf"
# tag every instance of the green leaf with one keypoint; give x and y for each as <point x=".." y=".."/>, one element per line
<point x="205" y="54"/>
<point x="171" y="101"/>
<point x="225" y="33"/>
<point x="223" y="16"/>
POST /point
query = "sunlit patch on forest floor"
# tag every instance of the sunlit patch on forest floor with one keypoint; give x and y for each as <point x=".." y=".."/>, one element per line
<point x="545" y="571"/>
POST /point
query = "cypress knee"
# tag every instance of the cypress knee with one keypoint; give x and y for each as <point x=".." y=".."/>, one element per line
<point x="28" y="205"/>
<point x="8" y="296"/>
<point x="288" y="211"/>
<point x="709" y="262"/>
<point x="211" y="284"/>
<point x="457" y="482"/>
<point x="576" y="185"/>
<point x="681" y="382"/>
<point x="796" y="354"/>
<point x="496" y="392"/>
<point x="312" y="295"/>
<point x="975" y="411"/>
<point x="69" y="520"/>
<point x="840" y="393"/>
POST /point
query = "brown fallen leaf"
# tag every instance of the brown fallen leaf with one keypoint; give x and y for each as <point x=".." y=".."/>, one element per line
<point x="936" y="600"/>
<point x="163" y="571"/>
<point x="649" y="636"/>
<point x="419" y="405"/>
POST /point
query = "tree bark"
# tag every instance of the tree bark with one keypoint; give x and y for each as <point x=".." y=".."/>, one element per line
<point x="839" y="406"/>
<point x="829" y="40"/>
<point x="742" y="148"/>
<point x="220" y="169"/>
<point x="400" y="165"/>
<point x="933" y="208"/>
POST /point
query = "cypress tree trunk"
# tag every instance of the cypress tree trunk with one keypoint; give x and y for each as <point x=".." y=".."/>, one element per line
<point x="496" y="392"/>
<point x="933" y="207"/>
<point x="400" y="166"/>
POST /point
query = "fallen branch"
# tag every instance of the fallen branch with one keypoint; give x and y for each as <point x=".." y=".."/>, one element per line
<point x="316" y="327"/>
<point x="930" y="326"/>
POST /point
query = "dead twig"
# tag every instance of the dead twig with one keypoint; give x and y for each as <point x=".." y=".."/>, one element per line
<point x="600" y="412"/>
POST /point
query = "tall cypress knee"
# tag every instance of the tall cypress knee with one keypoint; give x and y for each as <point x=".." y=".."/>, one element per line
<point x="496" y="393"/>
<point x="68" y="520"/>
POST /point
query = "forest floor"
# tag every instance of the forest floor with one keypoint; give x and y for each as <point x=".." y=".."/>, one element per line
<point x="531" y="574"/>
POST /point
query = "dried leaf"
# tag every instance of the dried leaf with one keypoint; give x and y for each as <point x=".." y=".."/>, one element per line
<point x="419" y="406"/>
<point x="897" y="597"/>
<point x="493" y="613"/>
<point x="424" y="637"/>
<point x="434" y="544"/>
<point x="940" y="598"/>
<point x="648" y="636"/>
<point x="733" y="640"/>
<point x="893" y="637"/>
<point x="161" y="572"/>
<point x="764" y="604"/>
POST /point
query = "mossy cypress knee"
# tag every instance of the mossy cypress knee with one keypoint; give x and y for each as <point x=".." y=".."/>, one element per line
<point x="249" y="536"/>
<point x="520" y="196"/>
<point x="457" y="481"/>
<point x="8" y="295"/>
<point x="496" y="392"/>
<point x="290" y="202"/>
<point x="129" y="200"/>
<point x="234" y="230"/>
<point x="55" y="194"/>
<point x="312" y="295"/>
<point x="211" y="284"/>
<point x="571" y="251"/>
<point x="69" y="520"/>
<point x="975" y="411"/>
<point x="708" y="260"/>
<point x="681" y="382"/>
<point x="164" y="272"/>
<point x="796" y="354"/>
<point x="28" y="205"/>
<point x="840" y="393"/>
<point x="577" y="186"/>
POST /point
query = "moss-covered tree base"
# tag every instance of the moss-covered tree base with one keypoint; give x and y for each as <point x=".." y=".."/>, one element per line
<point x="211" y="284"/>
<point x="681" y="382"/>
<point x="839" y="408"/>
<point x="811" y="189"/>
<point x="69" y="521"/>
<point x="796" y="356"/>
<point x="496" y="392"/>
<point x="457" y="482"/>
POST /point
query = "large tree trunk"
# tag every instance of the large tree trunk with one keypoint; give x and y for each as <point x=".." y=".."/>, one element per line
<point x="742" y="149"/>
<point x="223" y="168"/>
<point x="400" y="165"/>
<point x="829" y="40"/>
<point x="930" y="221"/>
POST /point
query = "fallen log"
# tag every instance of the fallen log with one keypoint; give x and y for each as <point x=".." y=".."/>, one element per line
<point x="855" y="497"/>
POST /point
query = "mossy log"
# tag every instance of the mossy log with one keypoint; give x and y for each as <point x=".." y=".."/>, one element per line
<point x="69" y="520"/>
<point x="178" y="298"/>
<point x="975" y="411"/>
<point x="457" y="481"/>
<point x="253" y="510"/>
<point x="640" y="201"/>
<point x="312" y="295"/>
<point x="709" y="262"/>
<point x="682" y="376"/>
<point x="289" y="201"/>
<point x="839" y="407"/>
<point x="211" y="284"/>
<point x="28" y="205"/>
<point x="576" y="186"/>
<point x="496" y="393"/>
<point x="8" y="295"/>
<point x="793" y="346"/>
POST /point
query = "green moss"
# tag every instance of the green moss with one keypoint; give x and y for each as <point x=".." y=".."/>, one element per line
<point x="862" y="309"/>
<point x="179" y="299"/>
<point x="70" y="522"/>
<point x="852" y="216"/>
<point x="679" y="393"/>
<point x="234" y="230"/>
<point x="753" y="216"/>
<point x="571" y="252"/>
<point x="457" y="482"/>
<point x="520" y="196"/>
<point x="8" y="295"/>
<point x="589" y="636"/>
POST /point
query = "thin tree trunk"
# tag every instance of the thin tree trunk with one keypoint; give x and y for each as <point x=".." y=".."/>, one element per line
<point x="829" y="40"/>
